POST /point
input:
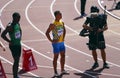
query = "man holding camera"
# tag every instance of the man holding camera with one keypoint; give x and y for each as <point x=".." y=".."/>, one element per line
<point x="97" y="25"/>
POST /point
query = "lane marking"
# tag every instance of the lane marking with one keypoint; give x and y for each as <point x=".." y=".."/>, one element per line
<point x="99" y="2"/>
<point x="114" y="32"/>
<point x="34" y="25"/>
<point x="106" y="74"/>
<point x="4" y="28"/>
<point x="113" y="15"/>
<point x="44" y="35"/>
<point x="107" y="44"/>
<point x="109" y="30"/>
<point x="37" y="40"/>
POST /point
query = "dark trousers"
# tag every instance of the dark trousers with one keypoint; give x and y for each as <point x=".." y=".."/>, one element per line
<point x="16" y="52"/>
<point x="83" y="3"/>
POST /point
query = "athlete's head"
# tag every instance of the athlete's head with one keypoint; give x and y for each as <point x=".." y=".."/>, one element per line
<point x="16" y="17"/>
<point x="58" y="14"/>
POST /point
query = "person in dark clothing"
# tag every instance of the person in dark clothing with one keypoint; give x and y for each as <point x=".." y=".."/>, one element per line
<point x="14" y="40"/>
<point x="97" y="26"/>
<point x="83" y="4"/>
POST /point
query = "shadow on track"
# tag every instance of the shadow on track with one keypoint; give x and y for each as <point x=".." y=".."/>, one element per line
<point x="91" y="72"/>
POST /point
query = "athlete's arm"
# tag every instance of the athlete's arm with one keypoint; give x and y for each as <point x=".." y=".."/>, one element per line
<point x="51" y="26"/>
<point x="4" y="33"/>
<point x="64" y="33"/>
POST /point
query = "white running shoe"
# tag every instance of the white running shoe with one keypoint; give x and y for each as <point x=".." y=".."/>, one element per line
<point x="56" y="75"/>
<point x="64" y="72"/>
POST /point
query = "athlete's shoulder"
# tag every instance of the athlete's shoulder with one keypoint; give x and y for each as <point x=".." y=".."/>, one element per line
<point x="51" y="26"/>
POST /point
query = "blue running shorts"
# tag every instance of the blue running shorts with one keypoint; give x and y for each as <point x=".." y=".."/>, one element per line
<point x="58" y="47"/>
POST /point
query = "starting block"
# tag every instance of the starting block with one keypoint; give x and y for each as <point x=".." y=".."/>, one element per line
<point x="29" y="63"/>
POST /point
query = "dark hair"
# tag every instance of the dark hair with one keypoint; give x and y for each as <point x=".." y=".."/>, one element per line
<point x="57" y="12"/>
<point x="94" y="9"/>
<point x="15" y="14"/>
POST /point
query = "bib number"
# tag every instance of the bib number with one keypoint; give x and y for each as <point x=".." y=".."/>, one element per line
<point x="17" y="35"/>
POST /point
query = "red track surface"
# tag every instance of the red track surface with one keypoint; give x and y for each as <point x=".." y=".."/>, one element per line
<point x="37" y="15"/>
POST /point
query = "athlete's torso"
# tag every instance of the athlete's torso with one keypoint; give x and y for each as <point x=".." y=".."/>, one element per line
<point x="15" y="34"/>
<point x="58" y="31"/>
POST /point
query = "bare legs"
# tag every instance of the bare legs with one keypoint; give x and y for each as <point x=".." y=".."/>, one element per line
<point x="103" y="55"/>
<point x="62" y="61"/>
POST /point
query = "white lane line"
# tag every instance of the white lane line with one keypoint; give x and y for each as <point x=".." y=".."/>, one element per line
<point x="106" y="74"/>
<point x="44" y="35"/>
<point x="28" y="18"/>
<point x="107" y="44"/>
<point x="51" y="67"/>
<point x="75" y="5"/>
<point x="5" y="6"/>
<point x="114" y="32"/>
<point x="99" y="2"/>
<point x="2" y="10"/>
<point x="113" y="47"/>
<point x="4" y="28"/>
<point x="109" y="30"/>
<point x="38" y="40"/>
<point x="48" y="57"/>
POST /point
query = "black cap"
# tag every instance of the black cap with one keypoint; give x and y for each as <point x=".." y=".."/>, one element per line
<point x="94" y="9"/>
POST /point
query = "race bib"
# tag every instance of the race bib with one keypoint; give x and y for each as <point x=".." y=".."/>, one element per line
<point x="60" y="32"/>
<point x="17" y="35"/>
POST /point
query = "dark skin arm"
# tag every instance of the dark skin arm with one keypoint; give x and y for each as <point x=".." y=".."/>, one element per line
<point x="4" y="33"/>
<point x="51" y="26"/>
<point x="64" y="33"/>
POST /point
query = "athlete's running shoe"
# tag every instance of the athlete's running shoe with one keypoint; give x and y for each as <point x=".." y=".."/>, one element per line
<point x="105" y="65"/>
<point x="56" y="75"/>
<point x="64" y="72"/>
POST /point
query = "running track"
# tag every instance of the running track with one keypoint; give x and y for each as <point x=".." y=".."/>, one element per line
<point x="37" y="15"/>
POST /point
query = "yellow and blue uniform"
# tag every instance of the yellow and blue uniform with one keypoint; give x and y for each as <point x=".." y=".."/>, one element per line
<point x="58" y="34"/>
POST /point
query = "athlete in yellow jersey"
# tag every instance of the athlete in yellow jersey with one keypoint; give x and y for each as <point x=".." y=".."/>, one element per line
<point x="58" y="31"/>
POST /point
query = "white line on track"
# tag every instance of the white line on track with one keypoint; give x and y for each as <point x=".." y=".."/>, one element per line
<point x="99" y="2"/>
<point x="44" y="35"/>
<point x="114" y="32"/>
<point x="34" y="40"/>
<point x="34" y="27"/>
<point x="75" y="3"/>
<point x="109" y="30"/>
<point x="67" y="46"/>
<point x="106" y="74"/>
<point x="4" y="28"/>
